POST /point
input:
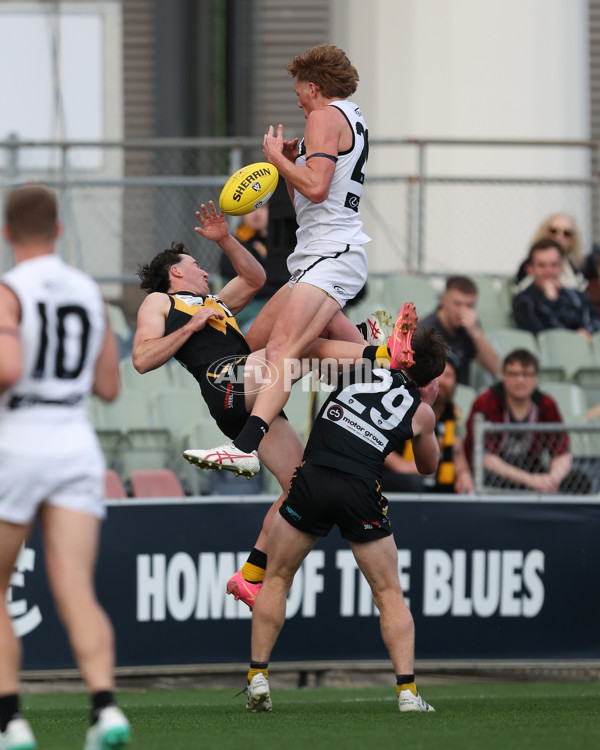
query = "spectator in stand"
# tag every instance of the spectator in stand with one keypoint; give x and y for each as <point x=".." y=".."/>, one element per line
<point x="547" y="303"/>
<point x="591" y="271"/>
<point x="539" y="461"/>
<point x="400" y="473"/>
<point x="562" y="229"/>
<point x="252" y="233"/>
<point x="456" y="320"/>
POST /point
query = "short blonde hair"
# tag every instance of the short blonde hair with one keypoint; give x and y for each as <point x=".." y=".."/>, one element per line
<point x="31" y="212"/>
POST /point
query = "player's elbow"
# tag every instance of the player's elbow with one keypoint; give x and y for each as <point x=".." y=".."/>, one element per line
<point x="259" y="279"/>
<point x="140" y="364"/>
<point x="318" y="194"/>
<point x="427" y="466"/>
<point x="427" y="457"/>
<point x="107" y="390"/>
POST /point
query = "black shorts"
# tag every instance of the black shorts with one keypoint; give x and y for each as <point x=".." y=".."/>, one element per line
<point x="320" y="497"/>
<point x="225" y="395"/>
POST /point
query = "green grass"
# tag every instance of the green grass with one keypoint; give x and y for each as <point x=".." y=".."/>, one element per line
<point x="489" y="716"/>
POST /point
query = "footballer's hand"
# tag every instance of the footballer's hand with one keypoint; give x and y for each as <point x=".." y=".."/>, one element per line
<point x="200" y="318"/>
<point x="273" y="144"/>
<point x="214" y="227"/>
<point x="290" y="149"/>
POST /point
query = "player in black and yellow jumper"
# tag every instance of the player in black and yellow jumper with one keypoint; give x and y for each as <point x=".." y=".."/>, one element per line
<point x="181" y="318"/>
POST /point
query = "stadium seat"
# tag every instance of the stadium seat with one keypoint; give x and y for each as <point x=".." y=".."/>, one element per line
<point x="505" y="340"/>
<point x="566" y="351"/>
<point x="402" y="287"/>
<point x="181" y="378"/>
<point x="569" y="397"/>
<point x="203" y="434"/>
<point x="113" y="486"/>
<point x="493" y="310"/>
<point x="155" y="483"/>
<point x="178" y="410"/>
<point x="372" y="300"/>
<point x="127" y="425"/>
<point x="388" y="292"/>
<point x="298" y="408"/>
<point x="121" y="329"/>
<point x="572" y="405"/>
<point x="149" y="381"/>
<point x="464" y="395"/>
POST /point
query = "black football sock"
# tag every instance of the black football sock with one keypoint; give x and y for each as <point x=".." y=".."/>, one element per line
<point x="251" y="434"/>
<point x="9" y="709"/>
<point x="100" y="700"/>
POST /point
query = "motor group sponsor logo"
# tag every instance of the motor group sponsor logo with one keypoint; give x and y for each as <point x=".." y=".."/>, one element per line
<point x="356" y="426"/>
<point x="335" y="412"/>
<point x="255" y="376"/>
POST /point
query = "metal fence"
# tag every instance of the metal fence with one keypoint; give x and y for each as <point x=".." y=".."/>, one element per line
<point x="432" y="206"/>
<point x="532" y="451"/>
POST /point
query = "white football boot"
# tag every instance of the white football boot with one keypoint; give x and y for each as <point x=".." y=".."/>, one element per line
<point x="408" y="701"/>
<point x="379" y="327"/>
<point x="17" y="736"/>
<point x="226" y="457"/>
<point x="110" y="732"/>
<point x="259" y="696"/>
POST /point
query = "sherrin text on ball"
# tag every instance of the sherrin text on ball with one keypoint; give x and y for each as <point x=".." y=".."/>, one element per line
<point x="249" y="188"/>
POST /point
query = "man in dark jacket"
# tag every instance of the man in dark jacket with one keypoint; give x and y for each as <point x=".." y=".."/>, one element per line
<point x="546" y="303"/>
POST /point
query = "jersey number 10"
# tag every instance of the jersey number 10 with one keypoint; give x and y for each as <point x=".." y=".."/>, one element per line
<point x="72" y="328"/>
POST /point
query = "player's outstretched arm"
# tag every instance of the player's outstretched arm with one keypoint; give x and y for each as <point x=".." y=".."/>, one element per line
<point x="250" y="274"/>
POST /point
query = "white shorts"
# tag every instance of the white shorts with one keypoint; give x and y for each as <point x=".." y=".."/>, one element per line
<point x="75" y="481"/>
<point x="341" y="276"/>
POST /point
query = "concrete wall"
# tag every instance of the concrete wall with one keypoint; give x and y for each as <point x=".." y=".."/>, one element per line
<point x="470" y="69"/>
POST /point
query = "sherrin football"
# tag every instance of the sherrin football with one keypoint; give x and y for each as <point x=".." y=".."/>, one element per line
<point x="249" y="188"/>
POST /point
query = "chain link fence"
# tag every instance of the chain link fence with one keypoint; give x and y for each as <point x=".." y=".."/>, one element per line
<point x="549" y="459"/>
<point x="122" y="202"/>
